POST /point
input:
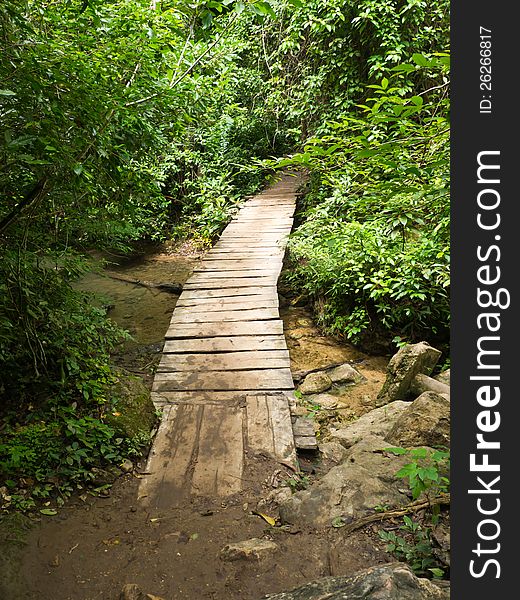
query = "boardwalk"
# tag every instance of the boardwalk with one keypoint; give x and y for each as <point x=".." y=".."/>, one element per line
<point x="224" y="379"/>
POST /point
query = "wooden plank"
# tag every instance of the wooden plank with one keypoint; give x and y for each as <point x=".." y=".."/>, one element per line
<point x="218" y="304"/>
<point x="233" y="398"/>
<point x="281" y="424"/>
<point x="259" y="432"/>
<point x="255" y="227"/>
<point x="225" y="344"/>
<point x="225" y="273"/>
<point x="235" y="282"/>
<point x="220" y="460"/>
<point x="269" y="426"/>
<point x="253" y="235"/>
<point x="248" y="244"/>
<point x="243" y="292"/>
<point x="236" y="328"/>
<point x="239" y="264"/>
<point x="253" y="379"/>
<point x="172" y="457"/>
<point x="225" y="254"/>
<point x="252" y="216"/>
<point x="223" y="361"/>
<point x="251" y="253"/>
<point x="190" y="315"/>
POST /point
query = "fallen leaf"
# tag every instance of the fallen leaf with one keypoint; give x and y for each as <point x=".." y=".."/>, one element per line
<point x="48" y="511"/>
<point x="266" y="518"/>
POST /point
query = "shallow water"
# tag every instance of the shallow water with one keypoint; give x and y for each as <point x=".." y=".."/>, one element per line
<point x="144" y="312"/>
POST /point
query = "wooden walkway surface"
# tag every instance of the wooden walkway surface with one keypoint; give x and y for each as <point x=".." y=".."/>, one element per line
<point x="224" y="379"/>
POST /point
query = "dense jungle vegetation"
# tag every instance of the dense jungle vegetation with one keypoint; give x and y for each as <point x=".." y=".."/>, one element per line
<point x="126" y="120"/>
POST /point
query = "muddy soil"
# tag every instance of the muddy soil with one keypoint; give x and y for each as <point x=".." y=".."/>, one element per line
<point x="95" y="546"/>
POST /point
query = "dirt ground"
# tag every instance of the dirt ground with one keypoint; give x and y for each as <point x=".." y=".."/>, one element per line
<point x="94" y="547"/>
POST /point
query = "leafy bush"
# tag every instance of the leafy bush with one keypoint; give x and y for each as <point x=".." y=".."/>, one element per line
<point x="373" y="249"/>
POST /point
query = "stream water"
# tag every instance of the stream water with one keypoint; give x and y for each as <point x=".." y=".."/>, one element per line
<point x="144" y="312"/>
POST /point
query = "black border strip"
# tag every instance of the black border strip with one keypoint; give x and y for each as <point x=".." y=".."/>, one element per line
<point x="492" y="135"/>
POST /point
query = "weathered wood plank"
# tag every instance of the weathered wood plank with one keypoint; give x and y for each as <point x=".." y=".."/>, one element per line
<point x="267" y="359"/>
<point x="225" y="273"/>
<point x="191" y="315"/>
<point x="246" y="254"/>
<point x="220" y="459"/>
<point x="253" y="379"/>
<point x="259" y="431"/>
<point x="236" y="282"/>
<point x="233" y="398"/>
<point x="230" y="303"/>
<point x="240" y="264"/>
<point x="252" y="235"/>
<point x="269" y="427"/>
<point x="243" y="292"/>
<point x="255" y="227"/>
<point x="249" y="243"/>
<point x="235" y="328"/>
<point x="172" y="457"/>
<point x="225" y="344"/>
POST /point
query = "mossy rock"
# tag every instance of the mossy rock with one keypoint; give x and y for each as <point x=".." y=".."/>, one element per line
<point x="133" y="414"/>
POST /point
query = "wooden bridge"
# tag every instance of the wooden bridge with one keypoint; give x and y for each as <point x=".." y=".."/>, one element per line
<point x="224" y="381"/>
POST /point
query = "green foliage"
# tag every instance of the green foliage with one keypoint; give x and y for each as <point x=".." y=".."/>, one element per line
<point x="374" y="245"/>
<point x="413" y="547"/>
<point x="427" y="471"/>
<point x="297" y="482"/>
<point x="426" y="475"/>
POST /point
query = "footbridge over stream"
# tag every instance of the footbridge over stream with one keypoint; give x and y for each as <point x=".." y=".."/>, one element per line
<point x="224" y="382"/>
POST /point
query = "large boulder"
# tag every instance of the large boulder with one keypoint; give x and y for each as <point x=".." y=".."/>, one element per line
<point x="366" y="479"/>
<point x="376" y="422"/>
<point x="133" y="413"/>
<point x="394" y="581"/>
<point x="411" y="360"/>
<point x="426" y="422"/>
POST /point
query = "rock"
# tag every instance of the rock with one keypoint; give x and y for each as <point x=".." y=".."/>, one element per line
<point x="426" y="422"/>
<point x="101" y="477"/>
<point x="127" y="466"/>
<point x="394" y="581"/>
<point x="444" y="377"/>
<point x="411" y="360"/>
<point x="253" y="549"/>
<point x="278" y="496"/>
<point x="315" y="383"/>
<point x="441" y="535"/>
<point x="332" y="451"/>
<point x="134" y="412"/>
<point x="345" y="373"/>
<point x="366" y="479"/>
<point x="422" y="383"/>
<point x="377" y="422"/>
<point x="131" y="591"/>
<point x="325" y="401"/>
